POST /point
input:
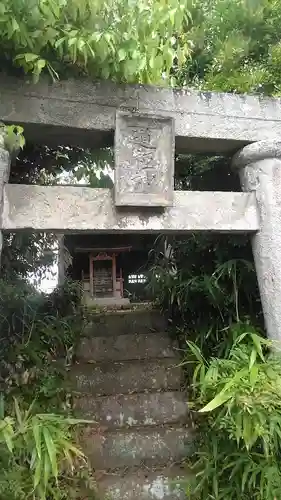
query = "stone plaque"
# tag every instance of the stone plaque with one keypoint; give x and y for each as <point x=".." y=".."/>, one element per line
<point x="144" y="160"/>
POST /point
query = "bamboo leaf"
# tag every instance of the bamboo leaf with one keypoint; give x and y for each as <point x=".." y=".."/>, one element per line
<point x="47" y="471"/>
<point x="37" y="437"/>
<point x="52" y="452"/>
<point x="218" y="401"/>
<point x="253" y="359"/>
<point x="18" y="413"/>
<point x="8" y="438"/>
<point x="37" y="475"/>
<point x="195" y="351"/>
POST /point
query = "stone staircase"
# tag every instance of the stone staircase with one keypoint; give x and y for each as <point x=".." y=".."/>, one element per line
<point x="127" y="380"/>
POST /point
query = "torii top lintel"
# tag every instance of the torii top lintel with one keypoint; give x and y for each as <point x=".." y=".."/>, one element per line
<point x="83" y="113"/>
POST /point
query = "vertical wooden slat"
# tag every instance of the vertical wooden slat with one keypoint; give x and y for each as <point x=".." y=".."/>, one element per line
<point x="91" y="263"/>
<point x="114" y="274"/>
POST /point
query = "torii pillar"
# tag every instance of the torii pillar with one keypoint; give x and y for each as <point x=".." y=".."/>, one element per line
<point x="5" y="162"/>
<point x="259" y="167"/>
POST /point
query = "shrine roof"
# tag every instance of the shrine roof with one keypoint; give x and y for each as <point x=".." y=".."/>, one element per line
<point x="103" y="249"/>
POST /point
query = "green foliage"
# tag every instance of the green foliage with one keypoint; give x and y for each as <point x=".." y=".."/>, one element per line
<point x="236" y="46"/>
<point x="26" y="253"/>
<point x="203" y="292"/>
<point x="240" y="396"/>
<point x="223" y="45"/>
<point x="124" y="40"/>
<point x="208" y="286"/>
<point x="38" y="336"/>
<point x="36" y="454"/>
<point x="13" y="137"/>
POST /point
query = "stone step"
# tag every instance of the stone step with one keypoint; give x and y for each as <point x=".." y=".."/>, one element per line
<point x="105" y="379"/>
<point x="126" y="347"/>
<point x="159" y="485"/>
<point x="132" y="448"/>
<point x="113" y="307"/>
<point x="133" y="410"/>
<point x="125" y="322"/>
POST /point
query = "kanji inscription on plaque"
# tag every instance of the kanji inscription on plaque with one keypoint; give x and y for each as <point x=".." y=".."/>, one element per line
<point x="144" y="160"/>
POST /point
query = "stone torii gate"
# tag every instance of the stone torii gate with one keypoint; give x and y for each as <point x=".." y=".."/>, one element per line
<point x="148" y="124"/>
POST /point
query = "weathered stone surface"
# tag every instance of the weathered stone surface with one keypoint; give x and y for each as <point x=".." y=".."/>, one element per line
<point x="260" y="172"/>
<point x="83" y="113"/>
<point x="111" y="450"/>
<point x="144" y="160"/>
<point x="262" y="150"/>
<point x="140" y="416"/>
<point x="4" y="166"/>
<point x="127" y="377"/>
<point x="4" y="177"/>
<point x="126" y="323"/>
<point x="4" y="169"/>
<point x="133" y="410"/>
<point x="69" y="208"/>
<point x="167" y="484"/>
<point x="126" y="347"/>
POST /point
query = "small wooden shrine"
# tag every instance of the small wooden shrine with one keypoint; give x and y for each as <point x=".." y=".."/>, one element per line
<point x="104" y="281"/>
<point x="110" y="268"/>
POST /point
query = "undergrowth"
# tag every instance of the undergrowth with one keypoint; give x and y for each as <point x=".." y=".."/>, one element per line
<point x="238" y="398"/>
<point x="39" y="457"/>
<point x="233" y="373"/>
